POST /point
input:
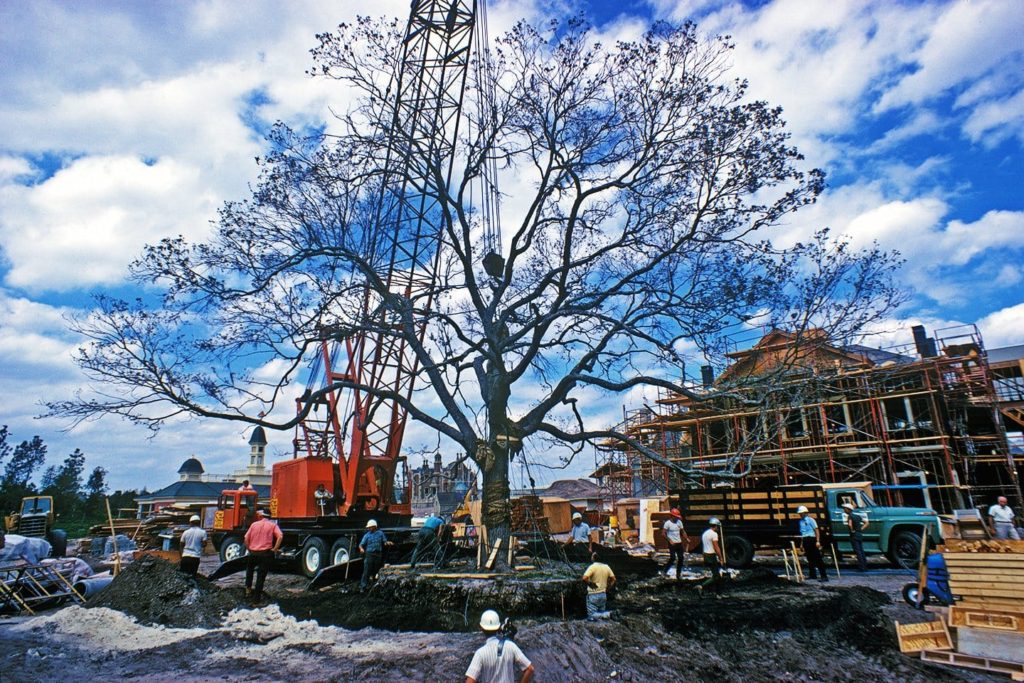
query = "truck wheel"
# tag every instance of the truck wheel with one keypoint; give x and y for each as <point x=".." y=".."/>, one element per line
<point x="739" y="552"/>
<point x="905" y="549"/>
<point x="58" y="539"/>
<point x="313" y="556"/>
<point x="340" y="551"/>
<point x="231" y="548"/>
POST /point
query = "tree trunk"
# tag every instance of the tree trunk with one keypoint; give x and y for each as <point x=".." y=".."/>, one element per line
<point x="495" y="506"/>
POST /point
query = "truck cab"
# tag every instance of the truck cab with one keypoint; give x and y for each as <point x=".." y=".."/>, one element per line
<point x="893" y="531"/>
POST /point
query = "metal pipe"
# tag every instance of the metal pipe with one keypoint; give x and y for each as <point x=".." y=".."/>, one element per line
<point x="90" y="587"/>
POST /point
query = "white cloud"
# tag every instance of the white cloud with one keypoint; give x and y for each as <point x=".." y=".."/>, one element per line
<point x="1004" y="327"/>
<point x="82" y="226"/>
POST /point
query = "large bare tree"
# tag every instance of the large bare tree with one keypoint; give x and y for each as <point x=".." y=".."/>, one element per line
<point x="643" y="188"/>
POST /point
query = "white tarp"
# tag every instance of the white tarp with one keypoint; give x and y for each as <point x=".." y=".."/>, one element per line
<point x="31" y="550"/>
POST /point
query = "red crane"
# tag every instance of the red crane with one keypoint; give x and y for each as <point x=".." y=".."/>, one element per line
<point x="429" y="87"/>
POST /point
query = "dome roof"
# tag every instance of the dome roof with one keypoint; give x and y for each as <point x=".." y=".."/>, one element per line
<point x="259" y="437"/>
<point x="191" y="466"/>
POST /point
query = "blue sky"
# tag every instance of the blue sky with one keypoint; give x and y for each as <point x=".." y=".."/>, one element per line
<point x="123" y="122"/>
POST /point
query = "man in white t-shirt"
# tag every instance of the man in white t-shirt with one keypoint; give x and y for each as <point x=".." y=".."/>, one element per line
<point x="192" y="546"/>
<point x="677" y="539"/>
<point x="1003" y="524"/>
<point x="714" y="557"/>
<point x="496" y="660"/>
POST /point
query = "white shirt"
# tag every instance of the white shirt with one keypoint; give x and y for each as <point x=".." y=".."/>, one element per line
<point x="999" y="513"/>
<point x="192" y="542"/>
<point x="487" y="667"/>
<point x="673" y="530"/>
<point x="708" y="539"/>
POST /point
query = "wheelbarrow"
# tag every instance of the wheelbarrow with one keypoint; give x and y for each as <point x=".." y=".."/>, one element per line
<point x="936" y="585"/>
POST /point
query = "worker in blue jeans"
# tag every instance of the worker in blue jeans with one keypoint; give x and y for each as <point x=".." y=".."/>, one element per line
<point x="372" y="548"/>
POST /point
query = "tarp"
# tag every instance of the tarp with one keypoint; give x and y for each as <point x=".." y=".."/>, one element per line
<point x="25" y="548"/>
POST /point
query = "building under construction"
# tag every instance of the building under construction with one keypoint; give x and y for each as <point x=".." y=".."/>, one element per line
<point x="924" y="426"/>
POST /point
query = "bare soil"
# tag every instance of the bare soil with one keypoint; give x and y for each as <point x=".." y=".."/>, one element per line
<point x="416" y="629"/>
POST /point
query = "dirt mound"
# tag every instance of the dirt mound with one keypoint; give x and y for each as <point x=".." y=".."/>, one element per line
<point x="413" y="603"/>
<point x="155" y="591"/>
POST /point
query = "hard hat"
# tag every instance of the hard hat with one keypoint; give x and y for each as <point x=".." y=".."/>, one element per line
<point x="848" y="505"/>
<point x="577" y="515"/>
<point x="675" y="512"/>
<point x="714" y="522"/>
<point x="194" y="518"/>
<point x="802" y="509"/>
<point x="490" y="621"/>
<point x="372" y="523"/>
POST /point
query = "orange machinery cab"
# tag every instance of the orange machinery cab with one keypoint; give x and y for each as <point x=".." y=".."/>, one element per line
<point x="294" y="482"/>
<point x="235" y="510"/>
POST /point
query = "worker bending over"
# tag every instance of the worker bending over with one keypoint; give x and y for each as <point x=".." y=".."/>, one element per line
<point x="427" y="539"/>
<point x="810" y="539"/>
<point x="497" y="659"/>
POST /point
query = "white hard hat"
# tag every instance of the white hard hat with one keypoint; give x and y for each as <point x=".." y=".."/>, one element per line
<point x="371" y="523"/>
<point x="802" y="509"/>
<point x="490" y="621"/>
<point x="194" y="518"/>
<point x="577" y="515"/>
<point x="714" y="522"/>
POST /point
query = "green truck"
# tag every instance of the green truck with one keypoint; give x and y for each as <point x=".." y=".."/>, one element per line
<point x="766" y="518"/>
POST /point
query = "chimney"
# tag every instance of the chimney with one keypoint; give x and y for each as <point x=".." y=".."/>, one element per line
<point x="707" y="376"/>
<point x="437" y="463"/>
<point x="925" y="344"/>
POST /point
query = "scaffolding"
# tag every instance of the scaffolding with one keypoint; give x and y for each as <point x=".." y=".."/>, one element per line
<point x="926" y="430"/>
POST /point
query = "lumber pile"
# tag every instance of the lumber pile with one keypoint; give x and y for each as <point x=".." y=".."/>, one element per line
<point x="528" y="515"/>
<point x="146" y="532"/>
<point x="986" y="579"/>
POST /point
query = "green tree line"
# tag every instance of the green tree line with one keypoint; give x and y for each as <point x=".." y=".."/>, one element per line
<point x="78" y="498"/>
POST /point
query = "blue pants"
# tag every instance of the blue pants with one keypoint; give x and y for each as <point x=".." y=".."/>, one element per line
<point x="597" y="605"/>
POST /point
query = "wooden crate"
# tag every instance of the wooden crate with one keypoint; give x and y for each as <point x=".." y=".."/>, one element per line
<point x="994" y="578"/>
<point x="928" y="635"/>
<point x="1016" y="671"/>
<point x="970" y="616"/>
<point x="1007" y="646"/>
<point x="558" y="512"/>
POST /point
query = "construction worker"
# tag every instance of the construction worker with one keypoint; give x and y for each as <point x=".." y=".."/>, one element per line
<point x="497" y="659"/>
<point x="678" y="541"/>
<point x="192" y="546"/>
<point x="599" y="577"/>
<point x="246" y="486"/>
<point x="263" y="540"/>
<point x="580" y="532"/>
<point x="427" y="539"/>
<point x="714" y="557"/>
<point x="810" y="540"/>
<point x="323" y="499"/>
<point x="856" y="523"/>
<point x="1003" y="525"/>
<point x="372" y="548"/>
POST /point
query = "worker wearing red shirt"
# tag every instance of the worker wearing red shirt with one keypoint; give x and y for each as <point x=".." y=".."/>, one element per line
<point x="263" y="539"/>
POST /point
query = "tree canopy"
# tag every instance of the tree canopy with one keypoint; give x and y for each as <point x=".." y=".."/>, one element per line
<point x="643" y="192"/>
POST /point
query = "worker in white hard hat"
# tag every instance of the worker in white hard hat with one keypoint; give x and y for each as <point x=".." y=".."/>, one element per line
<point x="580" y="533"/>
<point x="714" y="557"/>
<point x="372" y="547"/>
<point x="497" y="660"/>
<point x="810" y="539"/>
<point x="192" y="546"/>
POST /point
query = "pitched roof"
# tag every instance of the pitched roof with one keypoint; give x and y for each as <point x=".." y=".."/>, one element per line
<point x="191" y="466"/>
<point x="571" y="489"/>
<point x="209" y="490"/>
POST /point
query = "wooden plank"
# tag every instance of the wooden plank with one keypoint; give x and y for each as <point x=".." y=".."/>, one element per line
<point x="972" y="662"/>
<point x="986" y="592"/>
<point x="980" y="642"/>
<point x="460" y="576"/>
<point x="1005" y="583"/>
<point x="493" y="557"/>
<point x="997" y="620"/>
<point x="928" y="635"/>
